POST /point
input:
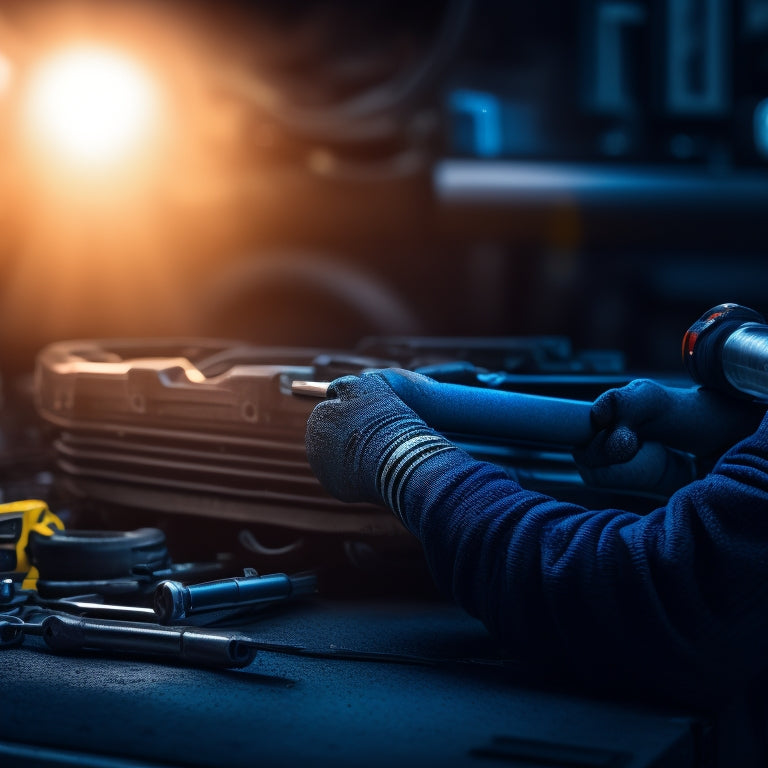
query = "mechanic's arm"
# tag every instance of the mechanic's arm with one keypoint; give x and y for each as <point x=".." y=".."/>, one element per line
<point x="676" y="597"/>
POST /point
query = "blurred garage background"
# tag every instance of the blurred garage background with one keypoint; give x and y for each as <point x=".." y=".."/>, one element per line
<point x="310" y="173"/>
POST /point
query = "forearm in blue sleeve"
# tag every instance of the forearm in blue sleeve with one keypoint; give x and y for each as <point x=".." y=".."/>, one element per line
<point x="680" y="594"/>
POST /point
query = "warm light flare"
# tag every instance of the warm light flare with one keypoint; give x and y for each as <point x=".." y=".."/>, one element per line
<point x="6" y="73"/>
<point x="91" y="105"/>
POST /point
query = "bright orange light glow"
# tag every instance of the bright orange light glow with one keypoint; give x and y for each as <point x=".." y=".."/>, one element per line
<point x="91" y="105"/>
<point x="6" y="73"/>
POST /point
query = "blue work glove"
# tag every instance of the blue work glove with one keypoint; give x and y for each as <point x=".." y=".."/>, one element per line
<point x="363" y="442"/>
<point x="652" y="437"/>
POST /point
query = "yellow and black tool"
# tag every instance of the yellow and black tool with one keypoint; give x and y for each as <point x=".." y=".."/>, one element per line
<point x="20" y="520"/>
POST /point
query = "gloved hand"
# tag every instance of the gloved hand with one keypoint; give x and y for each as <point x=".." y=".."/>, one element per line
<point x="364" y="442"/>
<point x="652" y="437"/>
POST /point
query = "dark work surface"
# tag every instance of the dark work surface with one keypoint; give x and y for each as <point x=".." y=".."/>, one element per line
<point x="287" y="710"/>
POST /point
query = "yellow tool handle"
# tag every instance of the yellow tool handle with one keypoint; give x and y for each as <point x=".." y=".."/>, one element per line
<point x="23" y="519"/>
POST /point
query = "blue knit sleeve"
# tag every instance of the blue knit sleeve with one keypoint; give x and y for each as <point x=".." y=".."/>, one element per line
<point x="675" y="599"/>
<point x="678" y="595"/>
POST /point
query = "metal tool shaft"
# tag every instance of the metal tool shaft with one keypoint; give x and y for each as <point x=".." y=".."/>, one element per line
<point x="745" y="359"/>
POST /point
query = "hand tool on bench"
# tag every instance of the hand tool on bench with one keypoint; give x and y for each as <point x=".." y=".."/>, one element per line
<point x="64" y="633"/>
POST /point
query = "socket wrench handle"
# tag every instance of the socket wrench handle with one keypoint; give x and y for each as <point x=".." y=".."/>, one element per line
<point x="191" y="644"/>
<point x="174" y="601"/>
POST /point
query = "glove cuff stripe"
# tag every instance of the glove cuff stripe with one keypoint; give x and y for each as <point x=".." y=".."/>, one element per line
<point x="408" y="471"/>
<point x="401" y="464"/>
